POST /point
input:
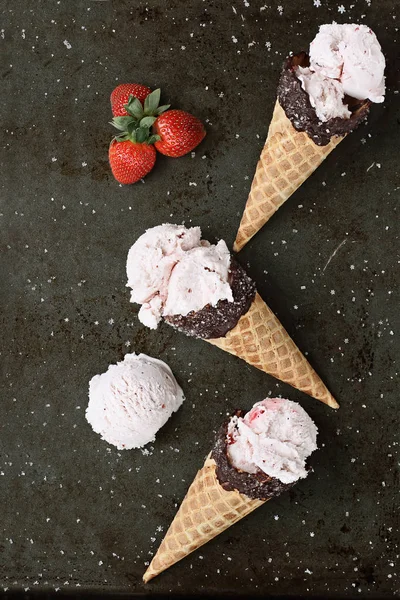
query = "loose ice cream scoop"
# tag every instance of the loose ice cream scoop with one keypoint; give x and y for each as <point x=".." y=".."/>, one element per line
<point x="344" y="60"/>
<point x="132" y="400"/>
<point x="276" y="434"/>
<point x="275" y="437"/>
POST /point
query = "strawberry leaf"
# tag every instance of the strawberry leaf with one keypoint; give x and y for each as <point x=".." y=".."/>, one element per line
<point x="162" y="108"/>
<point x="121" y="123"/>
<point x="141" y="134"/>
<point x="147" y="121"/>
<point x="132" y="126"/>
<point x="122" y="137"/>
<point x="153" y="138"/>
<point x="134" y="107"/>
<point x="151" y="102"/>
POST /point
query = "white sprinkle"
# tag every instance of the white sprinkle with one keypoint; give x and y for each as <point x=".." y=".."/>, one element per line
<point x="67" y="44"/>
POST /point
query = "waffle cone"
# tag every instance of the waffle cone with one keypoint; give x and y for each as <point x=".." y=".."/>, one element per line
<point x="206" y="511"/>
<point x="260" y="339"/>
<point x="287" y="160"/>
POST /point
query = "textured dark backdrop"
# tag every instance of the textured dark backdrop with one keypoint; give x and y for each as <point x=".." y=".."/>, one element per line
<point x="76" y="512"/>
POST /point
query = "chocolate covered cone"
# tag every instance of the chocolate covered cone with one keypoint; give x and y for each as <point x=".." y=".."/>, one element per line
<point x="287" y="160"/>
<point x="261" y="340"/>
<point x="206" y="511"/>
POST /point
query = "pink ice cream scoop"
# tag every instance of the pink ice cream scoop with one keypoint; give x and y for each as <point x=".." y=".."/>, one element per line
<point x="344" y="60"/>
<point x="172" y="271"/>
<point x="132" y="400"/>
<point x="276" y="436"/>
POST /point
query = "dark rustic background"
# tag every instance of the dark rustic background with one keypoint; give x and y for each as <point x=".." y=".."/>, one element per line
<point x="77" y="514"/>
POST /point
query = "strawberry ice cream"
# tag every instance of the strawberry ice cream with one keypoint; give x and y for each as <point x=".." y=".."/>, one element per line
<point x="345" y="60"/>
<point x="326" y="95"/>
<point x="172" y="271"/>
<point x="275" y="437"/>
<point x="132" y="400"/>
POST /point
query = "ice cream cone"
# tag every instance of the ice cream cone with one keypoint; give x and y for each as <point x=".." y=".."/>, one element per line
<point x="261" y="340"/>
<point x="206" y="511"/>
<point x="287" y="160"/>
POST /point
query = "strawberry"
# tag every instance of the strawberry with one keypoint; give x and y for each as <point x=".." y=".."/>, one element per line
<point x="130" y="161"/>
<point x="132" y="154"/>
<point x="120" y="97"/>
<point x="179" y="131"/>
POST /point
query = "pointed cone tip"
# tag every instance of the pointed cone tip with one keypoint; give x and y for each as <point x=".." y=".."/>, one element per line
<point x="236" y="246"/>
<point x="271" y="349"/>
<point x="147" y="576"/>
<point x="333" y="403"/>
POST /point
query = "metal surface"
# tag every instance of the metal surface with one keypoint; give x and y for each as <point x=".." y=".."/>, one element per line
<point x="76" y="512"/>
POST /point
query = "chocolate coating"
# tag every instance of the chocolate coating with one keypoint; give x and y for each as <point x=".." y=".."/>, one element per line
<point x="254" y="485"/>
<point x="296" y="104"/>
<point x="216" y="321"/>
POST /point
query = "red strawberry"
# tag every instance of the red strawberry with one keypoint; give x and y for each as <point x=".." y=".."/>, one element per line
<point x="131" y="153"/>
<point x="179" y="131"/>
<point x="120" y="96"/>
<point x="130" y="161"/>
